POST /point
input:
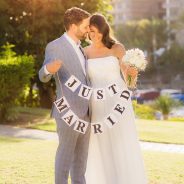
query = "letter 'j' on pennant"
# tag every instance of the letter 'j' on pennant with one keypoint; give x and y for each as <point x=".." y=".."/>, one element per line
<point x="110" y="120"/>
<point x="69" y="118"/>
<point x="85" y="92"/>
<point x="72" y="83"/>
<point x="96" y="128"/>
<point x="61" y="104"/>
<point x="81" y="126"/>
<point x="99" y="94"/>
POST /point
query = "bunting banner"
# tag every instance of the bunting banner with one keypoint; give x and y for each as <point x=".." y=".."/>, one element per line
<point x="81" y="126"/>
<point x="73" y="83"/>
<point x="99" y="94"/>
<point x="112" y="89"/>
<point x="61" y="104"/>
<point x="85" y="92"/>
<point x="69" y="118"/>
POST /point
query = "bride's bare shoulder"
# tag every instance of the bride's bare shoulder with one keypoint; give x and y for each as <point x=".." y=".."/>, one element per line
<point x="118" y="50"/>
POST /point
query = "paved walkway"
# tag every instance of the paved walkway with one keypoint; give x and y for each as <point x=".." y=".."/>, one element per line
<point x="10" y="131"/>
<point x="171" y="148"/>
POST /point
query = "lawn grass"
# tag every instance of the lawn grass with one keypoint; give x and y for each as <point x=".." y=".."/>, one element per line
<point x="49" y="125"/>
<point x="148" y="130"/>
<point x="164" y="168"/>
<point x="26" y="161"/>
<point x="36" y="118"/>
<point x="177" y="119"/>
<point x="33" y="111"/>
<point x="160" y="131"/>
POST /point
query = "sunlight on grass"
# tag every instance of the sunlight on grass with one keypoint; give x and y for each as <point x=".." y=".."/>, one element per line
<point x="160" y="131"/>
<point x="177" y="119"/>
<point x="148" y="130"/>
<point x="50" y="125"/>
<point x="164" y="168"/>
<point x="26" y="161"/>
<point x="34" y="111"/>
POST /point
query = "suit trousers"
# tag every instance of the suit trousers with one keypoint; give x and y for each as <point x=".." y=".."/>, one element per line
<point x="71" y="154"/>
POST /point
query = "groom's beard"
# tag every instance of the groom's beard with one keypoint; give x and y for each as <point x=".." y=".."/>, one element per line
<point x="84" y="36"/>
<point x="81" y="36"/>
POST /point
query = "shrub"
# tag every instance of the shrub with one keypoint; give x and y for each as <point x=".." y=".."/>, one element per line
<point x="15" y="73"/>
<point x="165" y="104"/>
<point x="143" y="111"/>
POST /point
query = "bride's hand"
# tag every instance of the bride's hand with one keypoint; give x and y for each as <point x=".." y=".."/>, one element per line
<point x="128" y="70"/>
<point x="124" y="68"/>
<point x="130" y="74"/>
<point x="132" y="71"/>
<point x="131" y="77"/>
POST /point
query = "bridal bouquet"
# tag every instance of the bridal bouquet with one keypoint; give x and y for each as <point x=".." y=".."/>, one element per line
<point x="134" y="58"/>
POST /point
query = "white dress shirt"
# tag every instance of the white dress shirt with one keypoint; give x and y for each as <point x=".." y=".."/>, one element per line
<point x="77" y="50"/>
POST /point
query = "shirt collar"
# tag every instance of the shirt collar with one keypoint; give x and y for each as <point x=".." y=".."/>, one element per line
<point x="71" y="40"/>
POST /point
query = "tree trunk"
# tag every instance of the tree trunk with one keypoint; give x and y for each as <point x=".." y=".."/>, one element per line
<point x="3" y="114"/>
<point x="47" y="95"/>
<point x="165" y="116"/>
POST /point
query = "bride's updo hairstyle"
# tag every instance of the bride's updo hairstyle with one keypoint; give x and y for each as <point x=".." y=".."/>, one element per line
<point x="100" y="22"/>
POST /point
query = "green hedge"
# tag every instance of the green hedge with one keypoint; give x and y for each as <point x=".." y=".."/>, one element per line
<point x="143" y="111"/>
<point x="15" y="73"/>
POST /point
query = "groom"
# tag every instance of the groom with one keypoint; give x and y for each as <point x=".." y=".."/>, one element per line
<point x="64" y="57"/>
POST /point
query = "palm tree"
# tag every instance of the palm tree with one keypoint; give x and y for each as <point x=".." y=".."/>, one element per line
<point x="165" y="104"/>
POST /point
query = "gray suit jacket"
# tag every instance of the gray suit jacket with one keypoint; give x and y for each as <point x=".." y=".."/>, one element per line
<point x="63" y="50"/>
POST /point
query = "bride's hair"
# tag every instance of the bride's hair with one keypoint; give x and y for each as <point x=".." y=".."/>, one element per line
<point x="100" y="22"/>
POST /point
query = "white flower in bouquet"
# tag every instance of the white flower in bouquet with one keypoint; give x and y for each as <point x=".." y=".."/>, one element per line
<point x="135" y="58"/>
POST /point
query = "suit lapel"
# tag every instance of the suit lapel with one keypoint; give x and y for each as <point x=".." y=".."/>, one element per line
<point x="70" y="48"/>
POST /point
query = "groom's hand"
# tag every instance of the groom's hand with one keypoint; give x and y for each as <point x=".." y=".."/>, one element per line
<point x="54" y="66"/>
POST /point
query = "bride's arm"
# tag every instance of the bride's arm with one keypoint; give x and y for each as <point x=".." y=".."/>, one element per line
<point x="119" y="51"/>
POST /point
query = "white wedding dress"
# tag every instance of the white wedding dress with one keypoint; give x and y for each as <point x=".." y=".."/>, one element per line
<point x="114" y="156"/>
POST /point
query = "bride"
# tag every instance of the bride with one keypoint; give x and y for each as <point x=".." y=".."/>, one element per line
<point x="114" y="155"/>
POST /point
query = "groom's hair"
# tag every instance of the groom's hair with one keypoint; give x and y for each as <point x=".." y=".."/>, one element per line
<point x="74" y="15"/>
